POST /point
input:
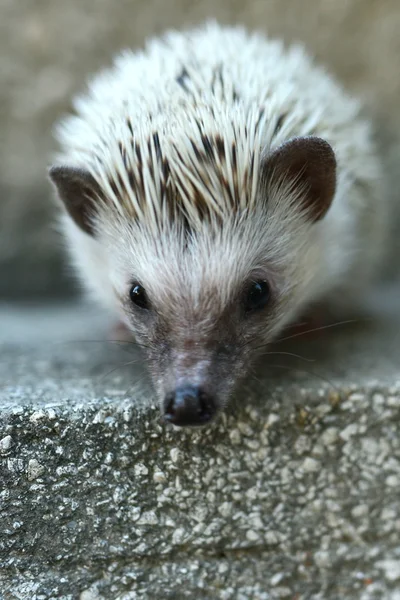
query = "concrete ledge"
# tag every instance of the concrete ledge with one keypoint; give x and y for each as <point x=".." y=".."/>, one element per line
<point x="293" y="493"/>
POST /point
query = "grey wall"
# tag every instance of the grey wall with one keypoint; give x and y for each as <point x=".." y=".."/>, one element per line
<point x="48" y="46"/>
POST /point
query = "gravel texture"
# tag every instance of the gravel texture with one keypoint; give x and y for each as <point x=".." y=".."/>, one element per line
<point x="293" y="493"/>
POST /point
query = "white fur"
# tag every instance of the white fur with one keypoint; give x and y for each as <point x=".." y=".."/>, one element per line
<point x="333" y="258"/>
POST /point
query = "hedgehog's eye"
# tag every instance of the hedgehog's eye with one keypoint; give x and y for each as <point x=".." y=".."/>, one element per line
<point x="257" y="296"/>
<point x="138" y="296"/>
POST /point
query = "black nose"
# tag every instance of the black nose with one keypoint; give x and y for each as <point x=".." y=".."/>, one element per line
<point x="188" y="405"/>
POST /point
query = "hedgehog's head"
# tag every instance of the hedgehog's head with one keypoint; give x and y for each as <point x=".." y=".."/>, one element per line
<point x="208" y="256"/>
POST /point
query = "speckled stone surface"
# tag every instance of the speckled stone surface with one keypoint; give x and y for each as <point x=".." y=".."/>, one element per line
<point x="294" y="492"/>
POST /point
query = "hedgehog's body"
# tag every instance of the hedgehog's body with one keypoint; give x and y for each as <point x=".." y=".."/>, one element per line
<point x="196" y="187"/>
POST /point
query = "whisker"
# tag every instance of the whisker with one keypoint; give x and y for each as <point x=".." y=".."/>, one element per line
<point x="254" y="376"/>
<point x="273" y="352"/>
<point x="312" y="373"/>
<point x="318" y="329"/>
<point x="105" y="341"/>
<point x="137" y="382"/>
<point x="127" y="364"/>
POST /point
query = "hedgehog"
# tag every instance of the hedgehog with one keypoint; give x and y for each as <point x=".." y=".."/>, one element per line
<point x="215" y="187"/>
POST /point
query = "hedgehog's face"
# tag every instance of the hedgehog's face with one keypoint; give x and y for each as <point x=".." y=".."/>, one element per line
<point x="204" y="300"/>
<point x="198" y="350"/>
<point x="200" y="329"/>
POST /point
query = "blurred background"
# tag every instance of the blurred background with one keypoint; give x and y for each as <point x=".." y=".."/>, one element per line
<point x="48" y="47"/>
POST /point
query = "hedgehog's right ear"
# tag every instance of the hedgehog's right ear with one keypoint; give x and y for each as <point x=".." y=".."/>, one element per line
<point x="307" y="165"/>
<point x="78" y="190"/>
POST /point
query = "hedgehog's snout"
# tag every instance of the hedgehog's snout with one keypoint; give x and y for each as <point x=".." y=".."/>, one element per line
<point x="189" y="406"/>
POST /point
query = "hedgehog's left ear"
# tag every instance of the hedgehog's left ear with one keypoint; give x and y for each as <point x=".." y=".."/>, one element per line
<point x="306" y="164"/>
<point x="79" y="191"/>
